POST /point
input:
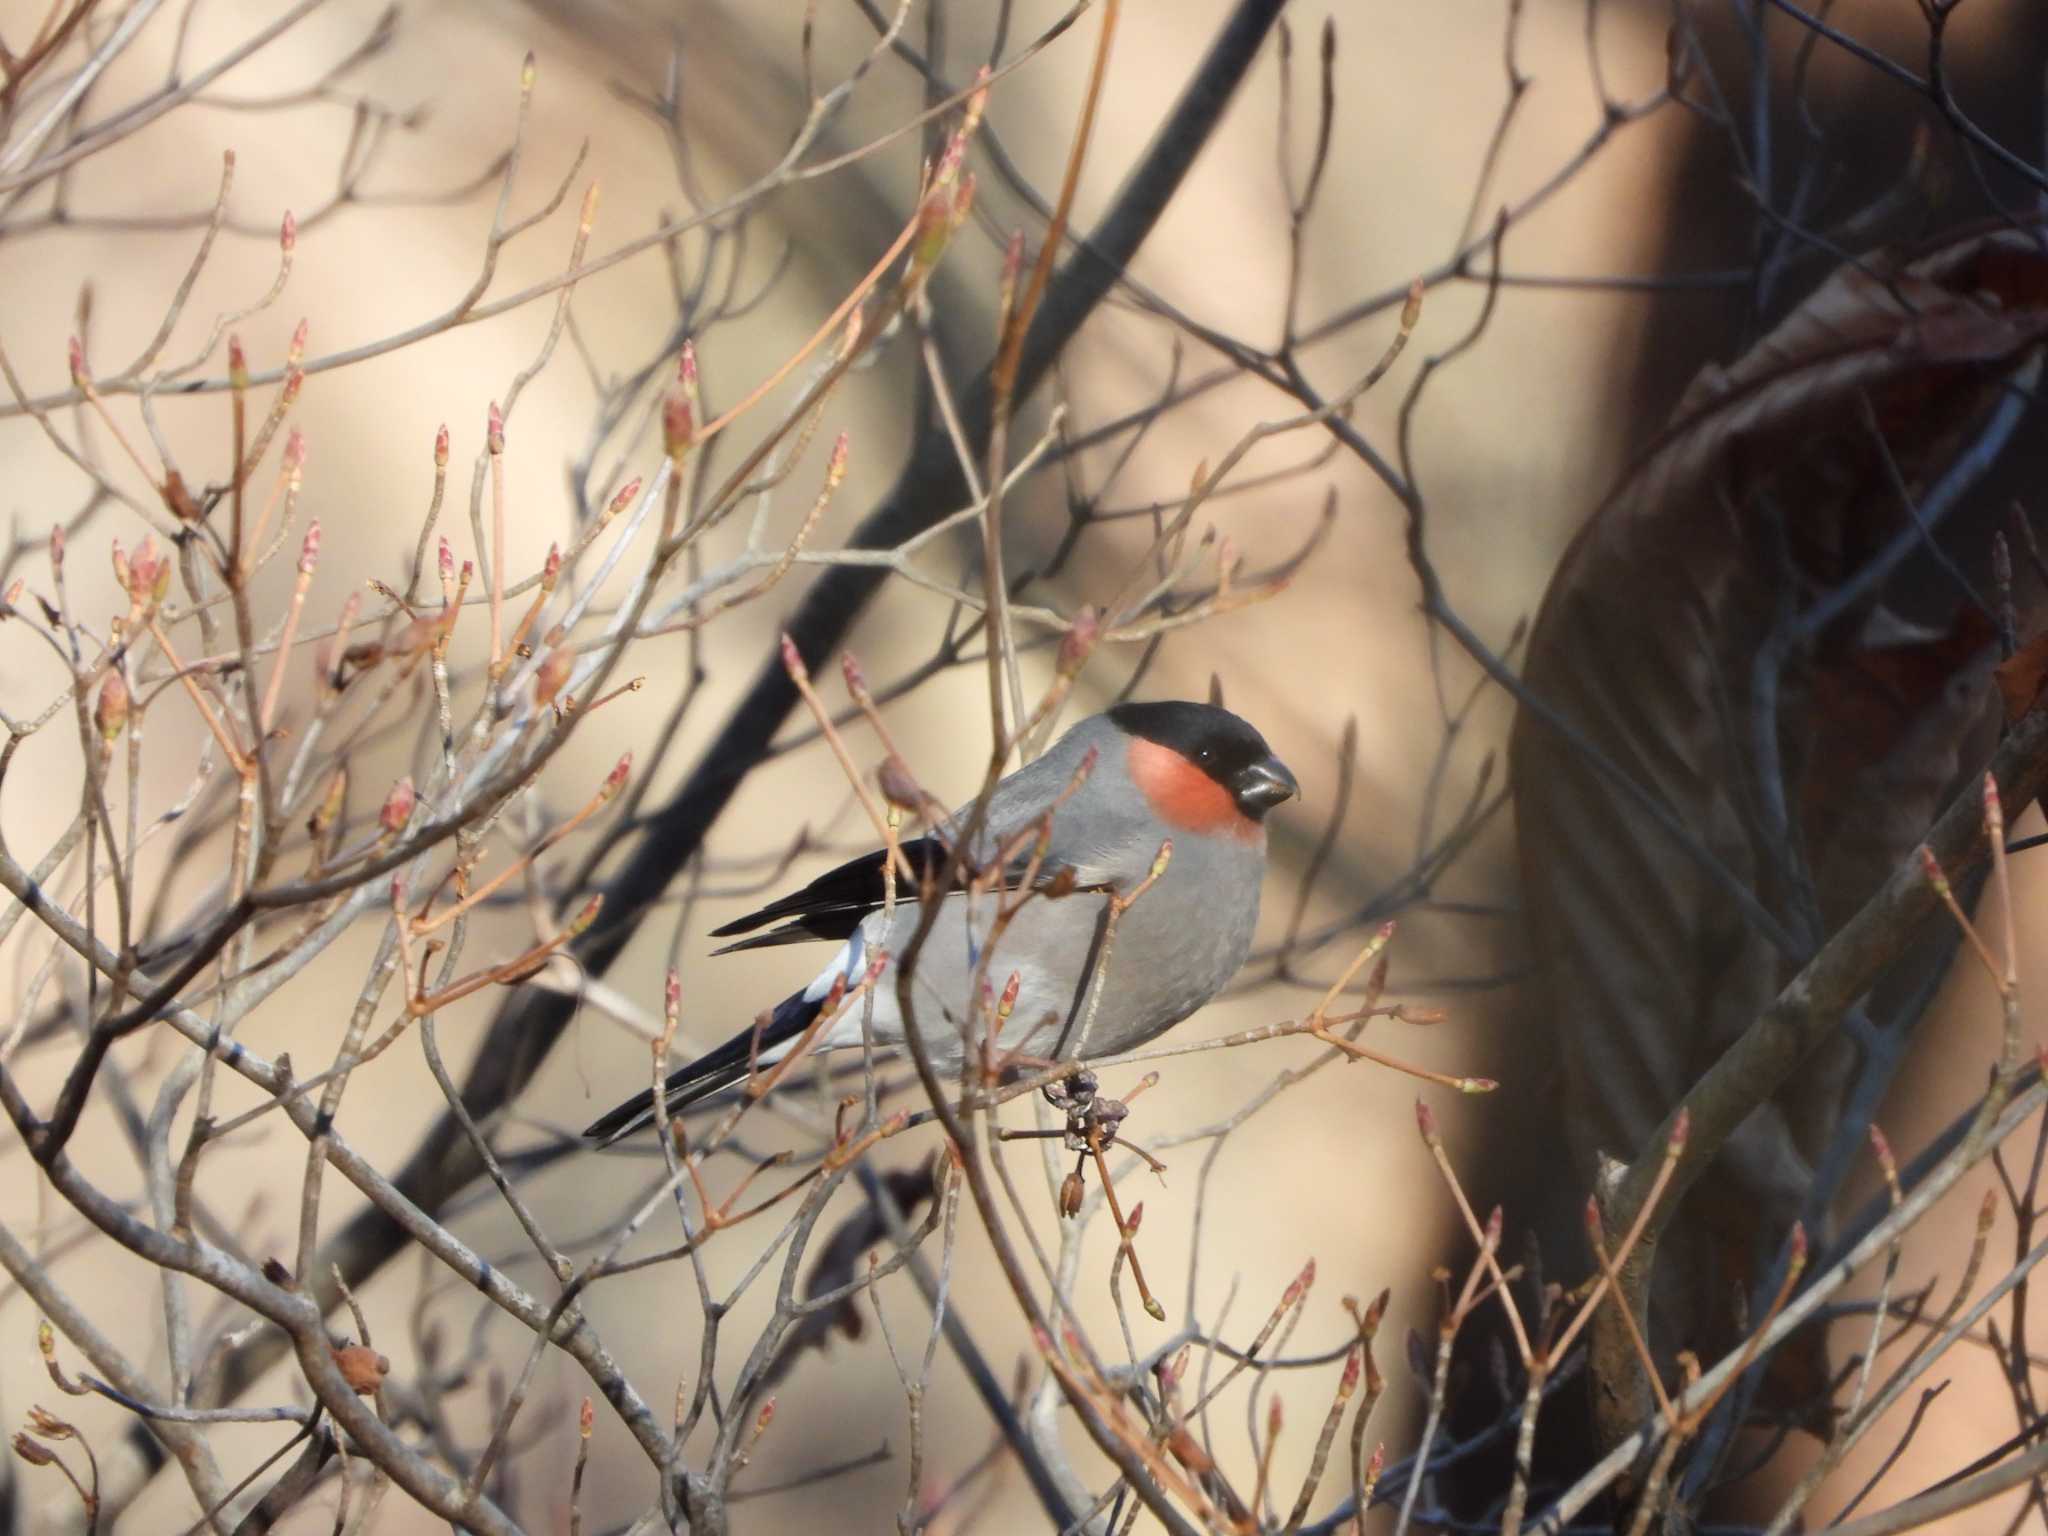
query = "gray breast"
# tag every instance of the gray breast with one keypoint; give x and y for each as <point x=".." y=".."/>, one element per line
<point x="1180" y="943"/>
<point x="1173" y="950"/>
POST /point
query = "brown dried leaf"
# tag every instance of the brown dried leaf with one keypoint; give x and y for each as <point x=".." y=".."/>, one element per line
<point x="1767" y="489"/>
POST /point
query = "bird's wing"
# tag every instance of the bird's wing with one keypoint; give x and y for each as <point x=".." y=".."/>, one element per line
<point x="833" y="905"/>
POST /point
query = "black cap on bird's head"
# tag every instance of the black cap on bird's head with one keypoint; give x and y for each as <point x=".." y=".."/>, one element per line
<point x="1221" y="745"/>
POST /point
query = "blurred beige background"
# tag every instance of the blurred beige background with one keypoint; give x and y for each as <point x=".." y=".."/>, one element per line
<point x="1515" y="447"/>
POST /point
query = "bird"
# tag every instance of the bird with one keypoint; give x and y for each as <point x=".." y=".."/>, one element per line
<point x="1087" y="823"/>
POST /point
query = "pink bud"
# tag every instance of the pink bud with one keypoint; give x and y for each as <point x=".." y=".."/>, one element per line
<point x="950" y="159"/>
<point x="1932" y="866"/>
<point x="398" y="806"/>
<point x="288" y="233"/>
<point x="620" y="502"/>
<point x="551" y="571"/>
<point x="142" y="568"/>
<point x="441" y="448"/>
<point x="1079" y="640"/>
<point x="294" y="380"/>
<point x="934" y="229"/>
<point x="1681" y="1128"/>
<point x="1425" y="1120"/>
<point x="76" y="354"/>
<point x="1299" y="1285"/>
<point x="616" y="779"/>
<point x="110" y="711"/>
<point x="238" y="364"/>
<point x="494" y="429"/>
<point x="678" y="424"/>
<point x="297" y="349"/>
<point x="295" y="451"/>
<point x="1377" y="1310"/>
<point x="552" y="676"/>
<point x="445" y="561"/>
<point x="309" y="551"/>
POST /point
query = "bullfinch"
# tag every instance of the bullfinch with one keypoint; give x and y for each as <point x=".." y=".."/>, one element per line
<point x="1117" y="787"/>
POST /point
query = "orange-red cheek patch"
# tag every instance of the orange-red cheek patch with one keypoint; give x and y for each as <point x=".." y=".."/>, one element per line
<point x="1183" y="796"/>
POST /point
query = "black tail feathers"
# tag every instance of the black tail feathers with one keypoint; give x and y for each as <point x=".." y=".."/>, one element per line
<point x="710" y="1073"/>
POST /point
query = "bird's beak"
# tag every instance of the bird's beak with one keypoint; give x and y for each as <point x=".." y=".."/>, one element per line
<point x="1262" y="786"/>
